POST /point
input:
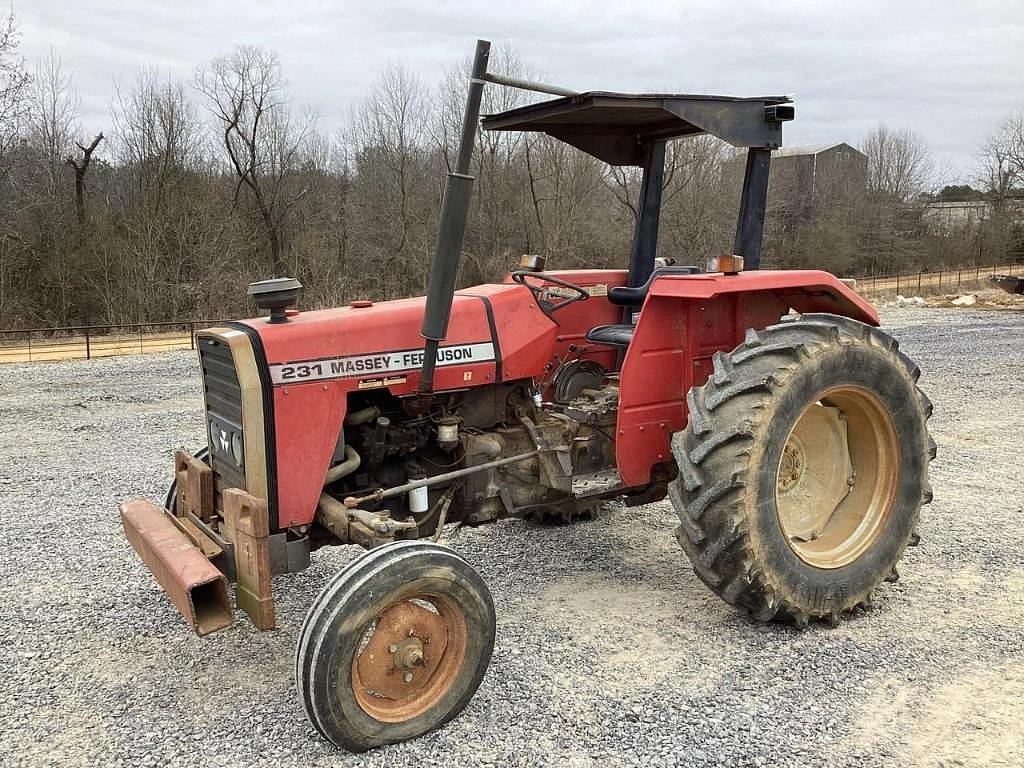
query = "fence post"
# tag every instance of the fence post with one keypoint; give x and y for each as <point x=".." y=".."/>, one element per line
<point x="897" y="283"/>
<point x="940" y="279"/>
<point x="141" y="350"/>
<point x="88" y="350"/>
<point x="30" y="346"/>
<point x="192" y="334"/>
<point x="958" y="278"/>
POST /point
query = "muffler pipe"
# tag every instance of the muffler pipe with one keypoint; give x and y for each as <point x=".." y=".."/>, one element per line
<point x="451" y="230"/>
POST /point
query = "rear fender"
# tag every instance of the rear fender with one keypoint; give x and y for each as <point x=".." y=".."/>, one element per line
<point x="805" y="291"/>
<point x="684" y="321"/>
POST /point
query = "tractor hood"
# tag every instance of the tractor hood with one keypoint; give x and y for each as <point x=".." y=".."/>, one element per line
<point x="498" y="330"/>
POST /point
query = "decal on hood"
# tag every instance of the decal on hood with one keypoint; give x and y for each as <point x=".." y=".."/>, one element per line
<point x="358" y="366"/>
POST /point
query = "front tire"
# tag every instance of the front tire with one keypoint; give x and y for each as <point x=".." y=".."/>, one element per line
<point x="395" y="645"/>
<point x="803" y="468"/>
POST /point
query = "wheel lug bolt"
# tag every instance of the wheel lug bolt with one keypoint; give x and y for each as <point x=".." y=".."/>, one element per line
<point x="408" y="677"/>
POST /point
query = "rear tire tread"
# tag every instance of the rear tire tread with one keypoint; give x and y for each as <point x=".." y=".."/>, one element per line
<point x="712" y="456"/>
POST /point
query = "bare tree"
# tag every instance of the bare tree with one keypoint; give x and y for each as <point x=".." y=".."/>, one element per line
<point x="14" y="84"/>
<point x="81" y="168"/>
<point x="900" y="165"/>
<point x="245" y="92"/>
<point x="157" y="134"/>
<point x="53" y="118"/>
<point x="1002" y="157"/>
<point x="395" y="199"/>
<point x="700" y="201"/>
<point x="1002" y="179"/>
<point x="51" y="126"/>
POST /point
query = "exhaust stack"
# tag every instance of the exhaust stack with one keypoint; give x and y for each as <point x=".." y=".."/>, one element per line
<point x="451" y="228"/>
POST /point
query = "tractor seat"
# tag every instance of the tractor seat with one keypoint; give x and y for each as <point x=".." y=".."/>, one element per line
<point x="625" y="296"/>
<point x="616" y="335"/>
<point x="620" y="334"/>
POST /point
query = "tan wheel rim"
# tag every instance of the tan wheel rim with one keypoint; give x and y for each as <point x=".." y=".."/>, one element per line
<point x="409" y="657"/>
<point x="837" y="477"/>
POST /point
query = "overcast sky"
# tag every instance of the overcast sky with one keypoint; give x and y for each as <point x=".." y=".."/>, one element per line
<point x="948" y="70"/>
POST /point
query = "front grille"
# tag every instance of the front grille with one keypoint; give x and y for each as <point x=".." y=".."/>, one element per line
<point x="223" y="417"/>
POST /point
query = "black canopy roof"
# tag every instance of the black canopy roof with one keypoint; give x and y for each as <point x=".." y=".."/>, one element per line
<point x="619" y="128"/>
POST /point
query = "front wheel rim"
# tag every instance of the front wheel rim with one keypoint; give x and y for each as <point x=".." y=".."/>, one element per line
<point x="409" y="657"/>
<point x="837" y="477"/>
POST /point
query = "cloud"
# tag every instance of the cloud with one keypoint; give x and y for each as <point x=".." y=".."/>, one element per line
<point x="946" y="70"/>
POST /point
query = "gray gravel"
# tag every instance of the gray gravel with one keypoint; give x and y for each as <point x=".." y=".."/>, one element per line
<point x="609" y="650"/>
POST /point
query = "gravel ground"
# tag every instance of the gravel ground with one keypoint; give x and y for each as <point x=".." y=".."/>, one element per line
<point x="609" y="650"/>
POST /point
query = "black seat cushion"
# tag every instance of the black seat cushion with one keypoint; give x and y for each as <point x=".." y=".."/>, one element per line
<point x="616" y="335"/>
<point x="626" y="297"/>
<point x="620" y="335"/>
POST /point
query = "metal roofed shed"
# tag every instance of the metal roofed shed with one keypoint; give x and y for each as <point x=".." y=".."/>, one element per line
<point x="621" y="128"/>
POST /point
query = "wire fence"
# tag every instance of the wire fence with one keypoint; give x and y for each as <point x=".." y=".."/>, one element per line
<point x="946" y="279"/>
<point x="84" y="342"/>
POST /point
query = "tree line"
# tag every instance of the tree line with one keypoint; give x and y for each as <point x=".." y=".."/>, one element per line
<point x="194" y="189"/>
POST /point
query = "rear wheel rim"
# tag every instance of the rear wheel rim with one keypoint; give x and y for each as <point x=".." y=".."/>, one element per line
<point x="837" y="477"/>
<point x="409" y="657"/>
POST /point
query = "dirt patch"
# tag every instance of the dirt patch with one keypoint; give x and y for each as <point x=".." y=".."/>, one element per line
<point x="973" y="721"/>
<point x="642" y="634"/>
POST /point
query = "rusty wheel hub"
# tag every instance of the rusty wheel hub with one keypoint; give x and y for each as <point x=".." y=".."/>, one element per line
<point x="792" y="465"/>
<point x="408" y="655"/>
<point x="837" y="475"/>
<point x="409" y="658"/>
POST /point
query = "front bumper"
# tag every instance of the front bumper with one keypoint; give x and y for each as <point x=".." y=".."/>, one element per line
<point x="194" y="584"/>
<point x="194" y="553"/>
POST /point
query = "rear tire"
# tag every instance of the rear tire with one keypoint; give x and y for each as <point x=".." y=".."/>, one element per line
<point x="395" y="645"/>
<point x="803" y="468"/>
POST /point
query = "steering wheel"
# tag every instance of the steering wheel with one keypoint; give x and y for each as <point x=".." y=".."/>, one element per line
<point x="542" y="292"/>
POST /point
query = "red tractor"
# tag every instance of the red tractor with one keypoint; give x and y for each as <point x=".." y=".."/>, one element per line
<point x="787" y="430"/>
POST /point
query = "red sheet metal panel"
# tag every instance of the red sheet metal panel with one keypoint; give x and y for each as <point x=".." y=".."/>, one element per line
<point x="803" y="290"/>
<point x="684" y="321"/>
